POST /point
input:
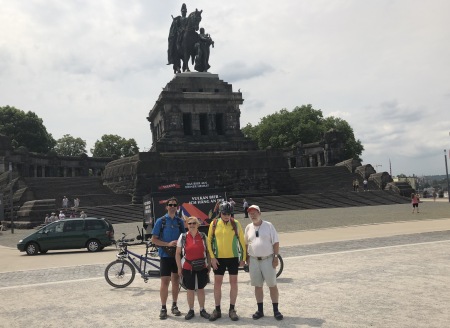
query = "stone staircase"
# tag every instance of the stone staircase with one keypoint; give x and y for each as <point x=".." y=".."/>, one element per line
<point x="331" y="199"/>
<point x="314" y="188"/>
<point x="95" y="199"/>
<point x="313" y="180"/>
<point x="90" y="191"/>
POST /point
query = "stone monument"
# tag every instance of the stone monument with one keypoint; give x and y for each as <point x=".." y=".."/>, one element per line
<point x="196" y="132"/>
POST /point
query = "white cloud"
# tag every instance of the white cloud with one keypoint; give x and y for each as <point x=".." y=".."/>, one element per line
<point x="90" y="68"/>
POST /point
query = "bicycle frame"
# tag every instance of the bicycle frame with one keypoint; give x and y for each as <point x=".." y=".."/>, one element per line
<point x="144" y="260"/>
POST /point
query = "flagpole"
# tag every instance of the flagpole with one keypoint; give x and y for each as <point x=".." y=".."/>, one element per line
<point x="446" y="171"/>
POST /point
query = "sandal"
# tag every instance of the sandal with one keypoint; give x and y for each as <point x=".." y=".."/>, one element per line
<point x="257" y="315"/>
<point x="278" y="316"/>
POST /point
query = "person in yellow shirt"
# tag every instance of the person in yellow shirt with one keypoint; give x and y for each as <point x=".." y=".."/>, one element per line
<point x="226" y="246"/>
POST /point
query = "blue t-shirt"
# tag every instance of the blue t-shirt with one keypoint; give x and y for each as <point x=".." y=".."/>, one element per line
<point x="172" y="230"/>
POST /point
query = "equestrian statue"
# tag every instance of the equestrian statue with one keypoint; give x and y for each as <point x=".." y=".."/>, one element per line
<point x="185" y="43"/>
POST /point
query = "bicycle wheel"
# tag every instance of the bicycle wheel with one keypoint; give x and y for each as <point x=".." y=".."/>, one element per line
<point x="119" y="273"/>
<point x="281" y="265"/>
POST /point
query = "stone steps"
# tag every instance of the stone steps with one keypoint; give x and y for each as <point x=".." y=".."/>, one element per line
<point x="333" y="199"/>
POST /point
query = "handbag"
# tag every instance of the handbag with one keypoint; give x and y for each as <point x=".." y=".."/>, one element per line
<point x="197" y="265"/>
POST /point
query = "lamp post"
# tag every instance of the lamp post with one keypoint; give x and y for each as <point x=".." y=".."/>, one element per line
<point x="446" y="171"/>
<point x="11" y="197"/>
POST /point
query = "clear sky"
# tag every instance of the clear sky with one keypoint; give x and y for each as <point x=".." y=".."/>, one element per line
<point x="89" y="68"/>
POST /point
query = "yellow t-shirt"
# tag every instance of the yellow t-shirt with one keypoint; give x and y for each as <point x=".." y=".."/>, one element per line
<point x="224" y="243"/>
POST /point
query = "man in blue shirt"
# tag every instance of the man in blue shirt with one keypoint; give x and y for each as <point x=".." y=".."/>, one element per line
<point x="165" y="235"/>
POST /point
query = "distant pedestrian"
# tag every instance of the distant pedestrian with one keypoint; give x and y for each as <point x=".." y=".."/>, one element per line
<point x="76" y="203"/>
<point x="354" y="184"/>
<point x="83" y="215"/>
<point x="245" y="205"/>
<point x="415" y="202"/>
<point x="53" y="217"/>
<point x="357" y="185"/>
<point x="365" y="183"/>
<point x="232" y="203"/>
<point x="47" y="219"/>
<point x="65" y="202"/>
<point x="434" y="195"/>
<point x="62" y="216"/>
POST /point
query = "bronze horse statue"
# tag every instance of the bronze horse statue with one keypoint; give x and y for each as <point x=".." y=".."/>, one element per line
<point x="186" y="49"/>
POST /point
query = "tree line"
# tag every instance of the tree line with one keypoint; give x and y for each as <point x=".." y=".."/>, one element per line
<point x="280" y="130"/>
<point x="284" y="129"/>
<point x="26" y="129"/>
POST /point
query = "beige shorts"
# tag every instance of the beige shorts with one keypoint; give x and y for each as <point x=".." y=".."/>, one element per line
<point x="262" y="270"/>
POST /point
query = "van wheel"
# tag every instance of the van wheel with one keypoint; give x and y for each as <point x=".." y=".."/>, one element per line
<point x="32" y="249"/>
<point x="93" y="245"/>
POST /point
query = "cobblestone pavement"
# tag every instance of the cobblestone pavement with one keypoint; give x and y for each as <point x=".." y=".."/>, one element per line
<point x="42" y="276"/>
<point x="399" y="281"/>
<point x="390" y="281"/>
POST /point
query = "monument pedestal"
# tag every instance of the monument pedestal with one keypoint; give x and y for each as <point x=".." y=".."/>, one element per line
<point x="197" y="112"/>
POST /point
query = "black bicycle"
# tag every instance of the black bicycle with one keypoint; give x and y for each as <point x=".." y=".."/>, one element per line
<point x="121" y="272"/>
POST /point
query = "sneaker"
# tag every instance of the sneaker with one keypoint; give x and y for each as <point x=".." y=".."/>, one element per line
<point x="163" y="314"/>
<point x="204" y="314"/>
<point x="175" y="311"/>
<point x="233" y="316"/>
<point x="215" y="315"/>
<point x="257" y="315"/>
<point x="189" y="315"/>
<point x="278" y="316"/>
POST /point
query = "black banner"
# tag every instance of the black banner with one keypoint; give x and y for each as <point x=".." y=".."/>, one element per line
<point x="198" y="202"/>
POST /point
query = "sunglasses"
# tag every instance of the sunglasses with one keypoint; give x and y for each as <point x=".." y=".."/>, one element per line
<point x="192" y="223"/>
<point x="172" y="205"/>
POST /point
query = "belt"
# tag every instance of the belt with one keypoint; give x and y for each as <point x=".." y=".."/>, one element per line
<point x="260" y="258"/>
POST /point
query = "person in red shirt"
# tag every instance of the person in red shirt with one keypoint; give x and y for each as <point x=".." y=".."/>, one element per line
<point x="194" y="265"/>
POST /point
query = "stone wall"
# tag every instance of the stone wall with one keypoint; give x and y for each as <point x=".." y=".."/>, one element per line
<point x="238" y="172"/>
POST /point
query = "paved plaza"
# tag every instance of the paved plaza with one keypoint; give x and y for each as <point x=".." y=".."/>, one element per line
<point x="376" y="266"/>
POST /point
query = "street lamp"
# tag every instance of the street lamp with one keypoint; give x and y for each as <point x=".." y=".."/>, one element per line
<point x="11" y="196"/>
<point x="446" y="171"/>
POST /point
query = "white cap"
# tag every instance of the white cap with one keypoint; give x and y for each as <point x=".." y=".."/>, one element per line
<point x="256" y="207"/>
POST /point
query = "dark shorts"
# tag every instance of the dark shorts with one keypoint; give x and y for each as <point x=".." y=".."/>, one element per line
<point x="232" y="264"/>
<point x="168" y="265"/>
<point x="415" y="205"/>
<point x="190" y="278"/>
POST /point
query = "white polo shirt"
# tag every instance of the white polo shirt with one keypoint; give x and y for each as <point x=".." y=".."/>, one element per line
<point x="262" y="245"/>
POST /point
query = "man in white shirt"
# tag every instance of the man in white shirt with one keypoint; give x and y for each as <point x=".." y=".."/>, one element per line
<point x="262" y="244"/>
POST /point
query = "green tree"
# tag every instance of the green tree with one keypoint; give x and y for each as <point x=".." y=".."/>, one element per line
<point x="285" y="128"/>
<point x="25" y="129"/>
<point x="70" y="146"/>
<point x="114" y="145"/>
<point x="353" y="147"/>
